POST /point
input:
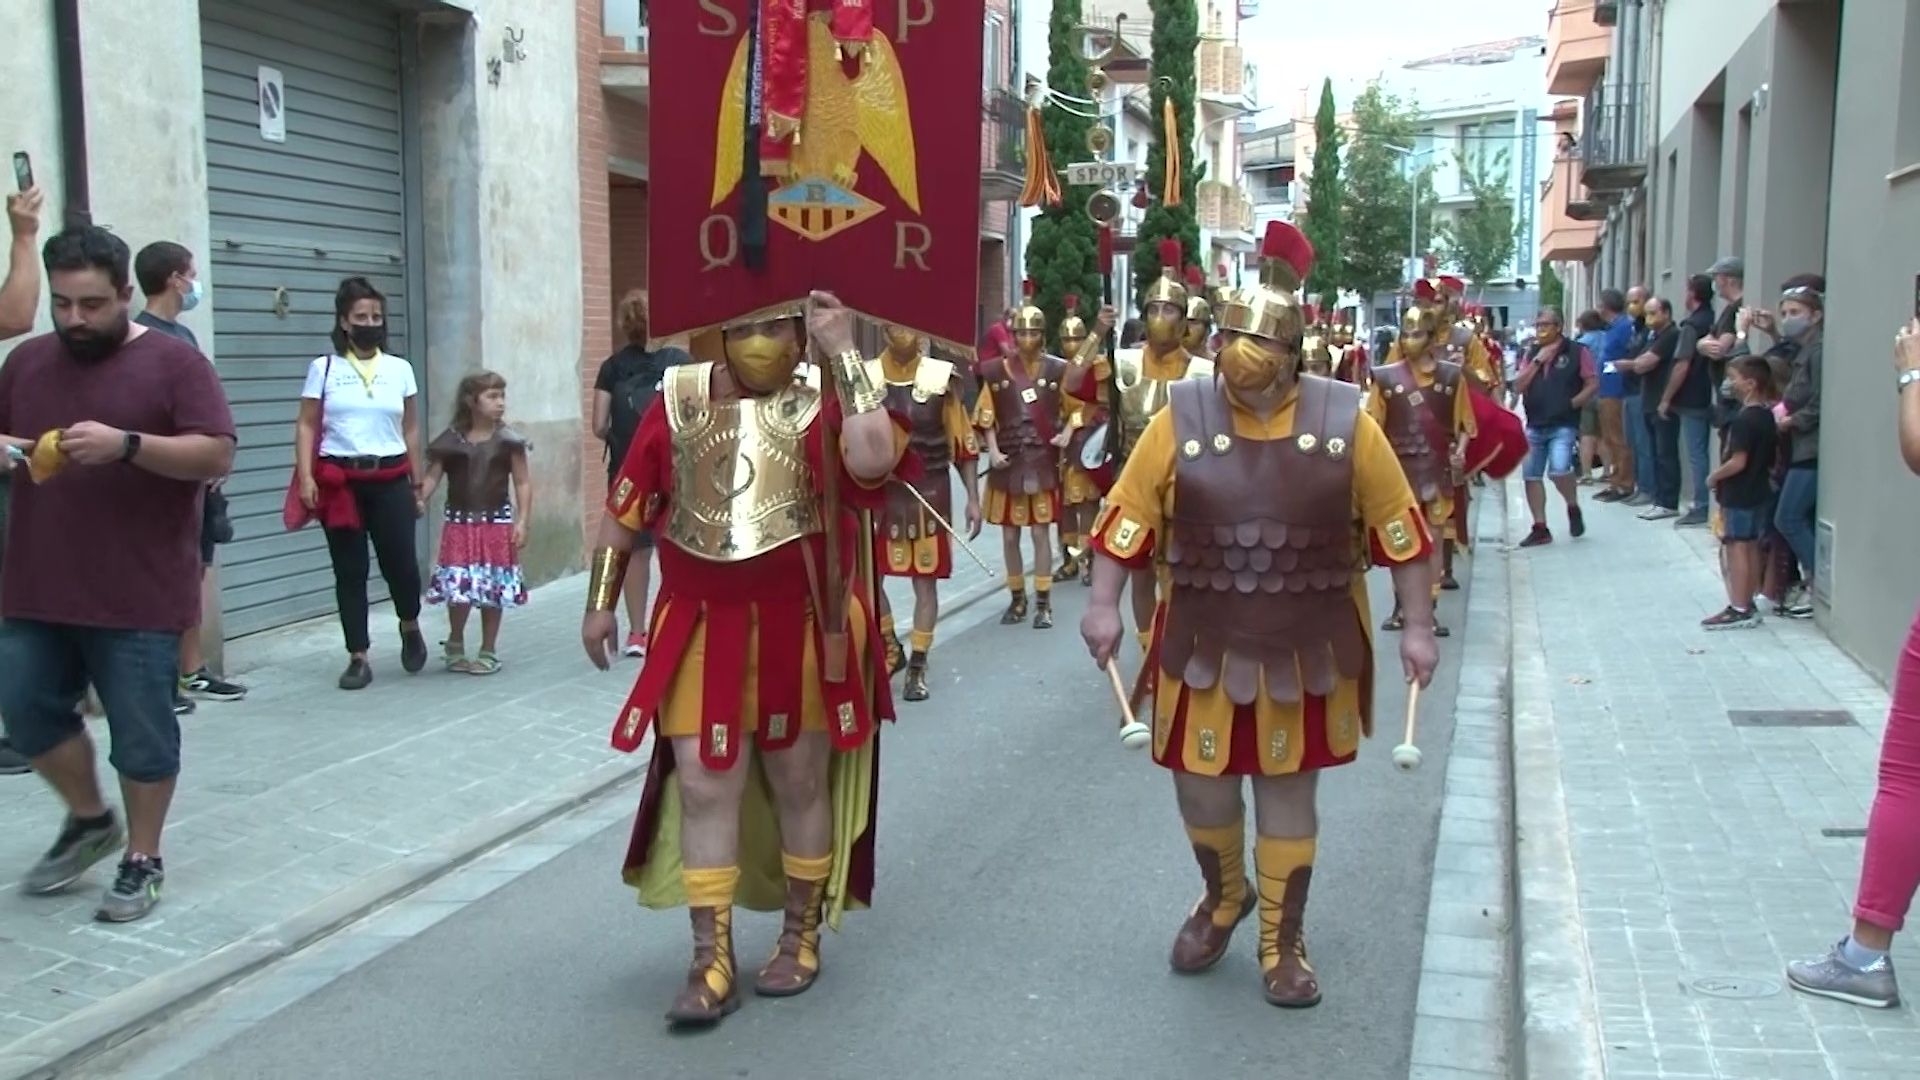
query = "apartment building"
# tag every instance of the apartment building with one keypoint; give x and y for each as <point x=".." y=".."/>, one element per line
<point x="430" y="146"/>
<point x="1787" y="133"/>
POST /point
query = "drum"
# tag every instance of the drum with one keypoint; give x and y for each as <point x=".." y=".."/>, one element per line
<point x="1501" y="444"/>
<point x="1088" y="450"/>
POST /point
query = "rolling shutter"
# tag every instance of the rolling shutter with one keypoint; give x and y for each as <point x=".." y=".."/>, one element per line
<point x="289" y="219"/>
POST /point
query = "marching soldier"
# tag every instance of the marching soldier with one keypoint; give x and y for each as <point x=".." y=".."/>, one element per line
<point x="1465" y="344"/>
<point x="1199" y="333"/>
<point x="1421" y="401"/>
<point x="1080" y="491"/>
<point x="1145" y="382"/>
<point x="911" y="543"/>
<point x="1349" y="355"/>
<point x="1022" y="410"/>
<point x="1264" y="664"/>
<point x="756" y="639"/>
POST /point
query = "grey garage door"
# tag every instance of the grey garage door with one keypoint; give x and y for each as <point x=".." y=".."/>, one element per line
<point x="290" y="219"/>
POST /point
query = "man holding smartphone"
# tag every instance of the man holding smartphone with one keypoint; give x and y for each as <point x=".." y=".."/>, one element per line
<point x="19" y="298"/>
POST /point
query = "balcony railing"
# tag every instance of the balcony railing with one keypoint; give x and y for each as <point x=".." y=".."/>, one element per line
<point x="1222" y="70"/>
<point x="627" y="21"/>
<point x="1003" y="145"/>
<point x="1613" y="138"/>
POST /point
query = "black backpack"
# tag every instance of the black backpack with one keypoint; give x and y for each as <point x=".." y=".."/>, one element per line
<point x="634" y="393"/>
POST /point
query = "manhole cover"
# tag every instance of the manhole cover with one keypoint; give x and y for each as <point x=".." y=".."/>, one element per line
<point x="239" y="787"/>
<point x="1790" y="717"/>
<point x="1843" y="834"/>
<point x="1736" y="987"/>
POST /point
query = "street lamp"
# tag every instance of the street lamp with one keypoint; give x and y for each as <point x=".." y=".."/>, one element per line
<point x="1413" y="211"/>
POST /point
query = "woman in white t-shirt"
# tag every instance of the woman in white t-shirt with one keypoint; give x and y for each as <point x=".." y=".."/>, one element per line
<point x="357" y="458"/>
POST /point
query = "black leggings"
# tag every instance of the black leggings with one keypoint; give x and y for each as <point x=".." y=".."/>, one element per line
<point x="386" y="516"/>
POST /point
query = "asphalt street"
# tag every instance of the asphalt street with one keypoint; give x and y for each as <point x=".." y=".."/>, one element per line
<point x="1032" y="873"/>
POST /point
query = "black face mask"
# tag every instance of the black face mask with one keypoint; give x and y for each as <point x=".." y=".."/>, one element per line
<point x="367" y="337"/>
<point x="90" y="347"/>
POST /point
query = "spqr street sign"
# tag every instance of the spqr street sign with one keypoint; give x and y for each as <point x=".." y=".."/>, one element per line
<point x="1100" y="174"/>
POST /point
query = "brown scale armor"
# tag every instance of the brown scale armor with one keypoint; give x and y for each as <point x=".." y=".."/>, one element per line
<point x="1420" y="424"/>
<point x="1263" y="549"/>
<point x="927" y="435"/>
<point x="1033" y="464"/>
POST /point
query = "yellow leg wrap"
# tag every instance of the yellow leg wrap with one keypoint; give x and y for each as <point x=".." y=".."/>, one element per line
<point x="1042" y="583"/>
<point x="1274" y="861"/>
<point x="1017" y="582"/>
<point x="813" y="871"/>
<point x="886" y="626"/>
<point x="921" y="641"/>
<point x="713" y="887"/>
<point x="1229" y="842"/>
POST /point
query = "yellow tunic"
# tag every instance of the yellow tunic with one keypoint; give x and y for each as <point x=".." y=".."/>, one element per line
<point x="903" y="557"/>
<point x="1077" y="487"/>
<point x="1135" y="517"/>
<point x="1019" y="510"/>
<point x="1440" y="509"/>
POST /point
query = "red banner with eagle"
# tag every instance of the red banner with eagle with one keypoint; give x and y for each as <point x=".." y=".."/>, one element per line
<point x="815" y="144"/>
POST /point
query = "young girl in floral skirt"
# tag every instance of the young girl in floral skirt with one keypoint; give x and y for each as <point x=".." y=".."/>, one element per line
<point x="489" y="498"/>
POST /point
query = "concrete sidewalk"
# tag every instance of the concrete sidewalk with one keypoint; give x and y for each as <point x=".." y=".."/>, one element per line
<point x="1670" y="861"/>
<point x="304" y="807"/>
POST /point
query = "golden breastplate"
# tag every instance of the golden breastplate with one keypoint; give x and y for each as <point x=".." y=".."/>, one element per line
<point x="1142" y="397"/>
<point x="741" y="482"/>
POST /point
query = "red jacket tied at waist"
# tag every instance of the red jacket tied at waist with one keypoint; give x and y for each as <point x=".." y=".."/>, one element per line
<point x="336" y="508"/>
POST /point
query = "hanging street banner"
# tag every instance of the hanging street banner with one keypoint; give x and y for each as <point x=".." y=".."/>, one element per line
<point x="815" y="144"/>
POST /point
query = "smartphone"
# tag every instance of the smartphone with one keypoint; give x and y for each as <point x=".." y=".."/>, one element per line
<point x="1916" y="296"/>
<point x="22" y="169"/>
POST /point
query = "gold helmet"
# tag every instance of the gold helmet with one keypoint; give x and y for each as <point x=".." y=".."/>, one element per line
<point x="1168" y="287"/>
<point x="1028" y="316"/>
<point x="1270" y="309"/>
<point x="1073" y="327"/>
<point x="1199" y="310"/>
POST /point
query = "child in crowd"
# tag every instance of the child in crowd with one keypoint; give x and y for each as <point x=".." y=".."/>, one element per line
<point x="489" y="501"/>
<point x="1744" y="482"/>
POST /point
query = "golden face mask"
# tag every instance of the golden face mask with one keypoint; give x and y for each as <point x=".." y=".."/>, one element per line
<point x="1071" y="345"/>
<point x="761" y="362"/>
<point x="1164" y="329"/>
<point x="1196" y="336"/>
<point x="1029" y="342"/>
<point x="1250" y="365"/>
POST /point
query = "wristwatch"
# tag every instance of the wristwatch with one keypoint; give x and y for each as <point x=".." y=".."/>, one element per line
<point x="131" y="447"/>
<point x="1907" y="378"/>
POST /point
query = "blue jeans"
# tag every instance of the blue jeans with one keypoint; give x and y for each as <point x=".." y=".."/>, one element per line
<point x="1795" y="513"/>
<point x="48" y="667"/>
<point x="1640" y="437"/>
<point x="1696" y="437"/>
<point x="1550" y="451"/>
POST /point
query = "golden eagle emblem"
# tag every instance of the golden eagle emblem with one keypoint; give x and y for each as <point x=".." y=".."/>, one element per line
<point x="844" y="116"/>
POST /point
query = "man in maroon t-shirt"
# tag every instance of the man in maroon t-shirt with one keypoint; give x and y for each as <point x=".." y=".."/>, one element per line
<point x="116" y="431"/>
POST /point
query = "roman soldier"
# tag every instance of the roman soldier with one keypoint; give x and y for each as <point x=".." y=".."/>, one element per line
<point x="1421" y="400"/>
<point x="1350" y="355"/>
<point x="1022" y="410"/>
<point x="747" y="477"/>
<point x="1199" y="326"/>
<point x="1316" y="348"/>
<point x="1265" y="491"/>
<point x="910" y="542"/>
<point x="1465" y="345"/>
<point x="1081" y="493"/>
<point x="1145" y="380"/>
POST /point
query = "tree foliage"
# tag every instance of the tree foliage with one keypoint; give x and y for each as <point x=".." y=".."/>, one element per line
<point x="1175" y="44"/>
<point x="1324" y="223"/>
<point x="1380" y="178"/>
<point x="1553" y="293"/>
<point x="1063" y="252"/>
<point x="1482" y="238"/>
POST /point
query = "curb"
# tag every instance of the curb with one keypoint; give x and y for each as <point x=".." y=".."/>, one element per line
<point x="1464" y="1012"/>
<point x="1559" y="1020"/>
<point x="99" y="1028"/>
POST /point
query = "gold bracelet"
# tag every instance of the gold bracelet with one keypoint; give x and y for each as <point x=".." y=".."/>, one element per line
<point x="603" y="586"/>
<point x="858" y="394"/>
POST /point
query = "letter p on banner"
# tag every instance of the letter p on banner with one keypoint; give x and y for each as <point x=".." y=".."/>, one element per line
<point x="874" y="195"/>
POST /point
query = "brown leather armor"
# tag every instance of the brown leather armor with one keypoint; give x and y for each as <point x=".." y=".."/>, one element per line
<point x="478" y="474"/>
<point x="1262" y="549"/>
<point x="1420" y="424"/>
<point x="923" y="402"/>
<point x="1033" y="463"/>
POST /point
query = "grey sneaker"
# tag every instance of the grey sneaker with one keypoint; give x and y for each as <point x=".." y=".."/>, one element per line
<point x="134" y="892"/>
<point x="1831" y="976"/>
<point x="1692" y="519"/>
<point x="72" y="855"/>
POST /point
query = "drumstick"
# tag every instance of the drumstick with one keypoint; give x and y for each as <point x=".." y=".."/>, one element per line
<point x="1406" y="756"/>
<point x="945" y="524"/>
<point x="1133" y="733"/>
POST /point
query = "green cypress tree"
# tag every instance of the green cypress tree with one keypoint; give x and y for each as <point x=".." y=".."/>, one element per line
<point x="1175" y="44"/>
<point x="1063" y="253"/>
<point x="1324" y="222"/>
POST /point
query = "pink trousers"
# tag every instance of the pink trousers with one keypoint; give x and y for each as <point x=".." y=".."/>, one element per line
<point x="1890" y="872"/>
